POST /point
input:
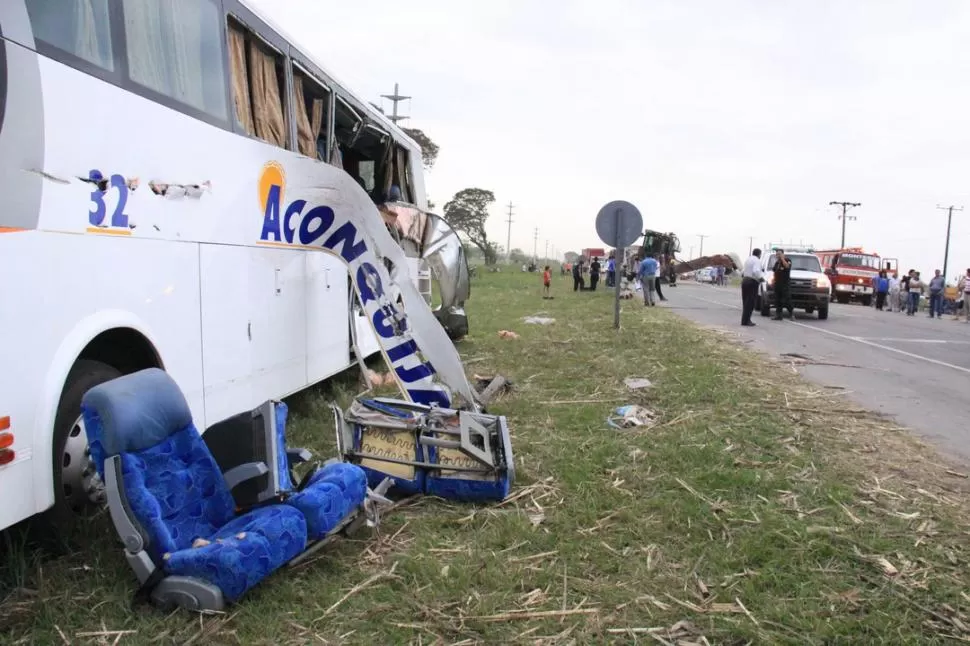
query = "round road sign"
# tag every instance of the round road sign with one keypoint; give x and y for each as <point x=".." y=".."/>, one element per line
<point x="619" y="224"/>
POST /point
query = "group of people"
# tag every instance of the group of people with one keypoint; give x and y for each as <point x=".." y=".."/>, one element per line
<point x="751" y="277"/>
<point x="595" y="269"/>
<point x="907" y="293"/>
<point x="649" y="275"/>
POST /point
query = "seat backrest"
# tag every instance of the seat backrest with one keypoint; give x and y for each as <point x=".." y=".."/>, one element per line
<point x="173" y="486"/>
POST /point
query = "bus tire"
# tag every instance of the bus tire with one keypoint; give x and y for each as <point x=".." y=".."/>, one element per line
<point x="70" y="459"/>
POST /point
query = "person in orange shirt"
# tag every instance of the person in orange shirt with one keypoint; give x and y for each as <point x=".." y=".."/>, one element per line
<point x="546" y="282"/>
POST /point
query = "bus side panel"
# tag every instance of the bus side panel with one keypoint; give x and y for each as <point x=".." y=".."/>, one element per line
<point x="327" y="332"/>
<point x="74" y="288"/>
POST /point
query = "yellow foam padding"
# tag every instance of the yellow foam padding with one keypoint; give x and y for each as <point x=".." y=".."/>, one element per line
<point x="385" y="443"/>
<point x="454" y="457"/>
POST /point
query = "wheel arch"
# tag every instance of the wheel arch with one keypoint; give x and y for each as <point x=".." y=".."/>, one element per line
<point x="115" y="337"/>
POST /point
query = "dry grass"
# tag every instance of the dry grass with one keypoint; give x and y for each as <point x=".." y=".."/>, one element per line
<point x="757" y="509"/>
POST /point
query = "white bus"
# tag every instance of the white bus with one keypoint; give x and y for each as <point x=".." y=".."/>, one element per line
<point x="144" y="145"/>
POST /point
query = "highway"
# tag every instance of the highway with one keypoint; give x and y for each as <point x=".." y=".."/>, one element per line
<point x="911" y="368"/>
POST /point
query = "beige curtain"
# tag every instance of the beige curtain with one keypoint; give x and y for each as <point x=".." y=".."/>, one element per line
<point x="336" y="159"/>
<point x="267" y="104"/>
<point x="316" y="123"/>
<point x="402" y="160"/>
<point x="240" y="79"/>
<point x="307" y="127"/>
<point x="388" y="166"/>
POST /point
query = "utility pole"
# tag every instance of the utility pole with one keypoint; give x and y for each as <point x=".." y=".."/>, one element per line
<point x="508" y="239"/>
<point x="690" y="256"/>
<point x="702" y="243"/>
<point x="395" y="99"/>
<point x="535" y="242"/>
<point x="750" y="244"/>
<point x="949" y="221"/>
<point x="845" y="206"/>
<point x="546" y="257"/>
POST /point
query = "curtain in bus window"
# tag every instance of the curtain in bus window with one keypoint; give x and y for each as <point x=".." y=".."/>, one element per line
<point x="402" y="160"/>
<point x="316" y="123"/>
<point x="267" y="104"/>
<point x="240" y="79"/>
<point x="165" y="47"/>
<point x="307" y="126"/>
<point x="388" y="166"/>
<point x="336" y="157"/>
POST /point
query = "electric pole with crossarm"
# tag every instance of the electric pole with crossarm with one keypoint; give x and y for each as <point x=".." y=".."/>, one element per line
<point x="845" y="206"/>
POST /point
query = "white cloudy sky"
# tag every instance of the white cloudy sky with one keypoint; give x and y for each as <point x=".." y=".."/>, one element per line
<point x="730" y="119"/>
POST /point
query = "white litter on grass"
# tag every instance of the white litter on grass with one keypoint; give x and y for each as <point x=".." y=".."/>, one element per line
<point x="631" y="417"/>
<point x="636" y="383"/>
<point x="539" y="320"/>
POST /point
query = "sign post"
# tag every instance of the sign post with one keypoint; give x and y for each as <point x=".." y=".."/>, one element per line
<point x="618" y="224"/>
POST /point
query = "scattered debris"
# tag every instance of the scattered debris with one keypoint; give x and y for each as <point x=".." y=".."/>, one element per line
<point x="637" y="383"/>
<point x="175" y="191"/>
<point x="631" y="417"/>
<point x="377" y="379"/>
<point x="507" y="334"/>
<point x="539" y="320"/>
<point x="492" y="386"/>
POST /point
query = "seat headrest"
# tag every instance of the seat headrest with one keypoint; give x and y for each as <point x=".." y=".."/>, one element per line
<point x="137" y="410"/>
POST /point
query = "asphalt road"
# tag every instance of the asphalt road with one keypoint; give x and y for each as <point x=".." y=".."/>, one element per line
<point x="912" y="368"/>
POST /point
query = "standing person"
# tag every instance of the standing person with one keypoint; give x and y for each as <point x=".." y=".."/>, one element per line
<point x="546" y="282"/>
<point x="782" y="286"/>
<point x="882" y="288"/>
<point x="656" y="283"/>
<point x="673" y="273"/>
<point x="937" y="286"/>
<point x="915" y="290"/>
<point x="648" y="276"/>
<point x="964" y="290"/>
<point x="904" y="291"/>
<point x="594" y="274"/>
<point x="578" y="283"/>
<point x="893" y="293"/>
<point x="751" y="277"/>
<point x="611" y="271"/>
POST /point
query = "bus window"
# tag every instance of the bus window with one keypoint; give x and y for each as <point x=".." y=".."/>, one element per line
<point x="258" y="76"/>
<point x="311" y="103"/>
<point x="175" y="49"/>
<point x="82" y="30"/>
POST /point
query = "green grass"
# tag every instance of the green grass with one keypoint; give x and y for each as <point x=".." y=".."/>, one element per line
<point x="759" y="510"/>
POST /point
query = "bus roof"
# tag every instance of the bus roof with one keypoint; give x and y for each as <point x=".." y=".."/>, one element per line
<point x="399" y="135"/>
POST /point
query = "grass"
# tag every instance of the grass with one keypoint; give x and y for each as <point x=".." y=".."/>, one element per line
<point x="758" y="509"/>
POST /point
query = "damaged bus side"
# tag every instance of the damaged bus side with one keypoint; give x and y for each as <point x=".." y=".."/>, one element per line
<point x="153" y="158"/>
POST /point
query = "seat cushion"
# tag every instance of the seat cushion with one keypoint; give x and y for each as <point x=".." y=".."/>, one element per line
<point x="176" y="491"/>
<point x="244" y="551"/>
<point x="332" y="493"/>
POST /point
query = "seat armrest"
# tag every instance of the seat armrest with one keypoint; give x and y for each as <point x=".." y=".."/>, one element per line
<point x="298" y="456"/>
<point x="244" y="472"/>
<point x="121" y="515"/>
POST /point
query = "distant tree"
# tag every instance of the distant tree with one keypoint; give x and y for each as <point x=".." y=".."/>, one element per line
<point x="429" y="149"/>
<point x="467" y="212"/>
<point x="571" y="256"/>
<point x="517" y="257"/>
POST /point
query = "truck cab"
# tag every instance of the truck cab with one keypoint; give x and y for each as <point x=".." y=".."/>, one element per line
<point x="810" y="288"/>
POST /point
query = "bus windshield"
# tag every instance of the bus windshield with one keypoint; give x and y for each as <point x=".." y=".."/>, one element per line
<point x="859" y="260"/>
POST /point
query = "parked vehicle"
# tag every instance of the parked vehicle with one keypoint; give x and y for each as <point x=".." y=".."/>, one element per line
<point x="851" y="272"/>
<point x="810" y="287"/>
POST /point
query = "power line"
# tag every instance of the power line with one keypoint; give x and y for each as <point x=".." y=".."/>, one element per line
<point x="949" y="220"/>
<point x="845" y="206"/>
<point x="395" y="99"/>
<point x="508" y="239"/>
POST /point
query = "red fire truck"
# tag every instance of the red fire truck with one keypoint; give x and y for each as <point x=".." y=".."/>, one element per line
<point x="851" y="271"/>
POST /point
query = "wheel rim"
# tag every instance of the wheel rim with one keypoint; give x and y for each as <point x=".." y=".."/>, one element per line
<point x="80" y="484"/>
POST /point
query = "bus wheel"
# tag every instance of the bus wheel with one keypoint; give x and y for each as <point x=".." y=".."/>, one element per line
<point x="77" y="487"/>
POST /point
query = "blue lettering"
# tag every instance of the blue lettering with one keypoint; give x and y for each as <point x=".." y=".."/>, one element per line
<point x="430" y="398"/>
<point x="323" y="215"/>
<point x="346" y="234"/>
<point x="382" y="318"/>
<point x="410" y="375"/>
<point x="365" y="271"/>
<point x="271" y="219"/>
<point x="401" y="351"/>
<point x="293" y="209"/>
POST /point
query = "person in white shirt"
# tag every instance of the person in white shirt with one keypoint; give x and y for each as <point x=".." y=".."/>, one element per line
<point x="893" y="293"/>
<point x="751" y="277"/>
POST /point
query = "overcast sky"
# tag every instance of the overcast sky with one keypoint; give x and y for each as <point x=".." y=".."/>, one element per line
<point x="730" y="119"/>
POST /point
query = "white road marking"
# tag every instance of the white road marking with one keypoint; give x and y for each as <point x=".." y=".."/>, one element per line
<point x="894" y="340"/>
<point x="857" y="339"/>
